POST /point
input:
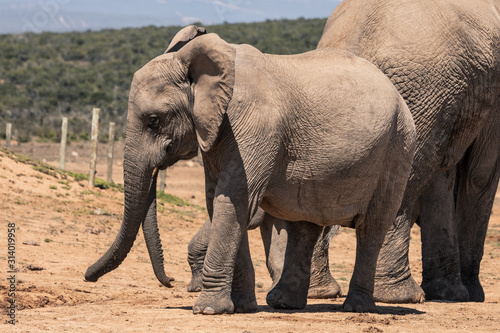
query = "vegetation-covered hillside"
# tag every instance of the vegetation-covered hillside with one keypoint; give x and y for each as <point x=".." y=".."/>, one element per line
<point x="49" y="75"/>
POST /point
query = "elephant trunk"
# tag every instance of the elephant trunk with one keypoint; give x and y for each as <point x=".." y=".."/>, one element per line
<point x="140" y="208"/>
<point x="152" y="237"/>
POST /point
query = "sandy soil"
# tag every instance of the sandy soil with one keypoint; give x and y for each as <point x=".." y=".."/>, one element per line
<point x="62" y="226"/>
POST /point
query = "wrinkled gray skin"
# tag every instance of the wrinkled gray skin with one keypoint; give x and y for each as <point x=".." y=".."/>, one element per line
<point x="444" y="59"/>
<point x="319" y="138"/>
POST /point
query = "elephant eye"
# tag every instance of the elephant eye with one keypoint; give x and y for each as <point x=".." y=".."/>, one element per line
<point x="154" y="122"/>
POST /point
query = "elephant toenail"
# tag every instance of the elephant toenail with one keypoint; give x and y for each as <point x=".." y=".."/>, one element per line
<point x="359" y="308"/>
<point x="209" y="310"/>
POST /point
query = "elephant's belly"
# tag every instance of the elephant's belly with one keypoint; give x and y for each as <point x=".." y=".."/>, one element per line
<point x="314" y="204"/>
<point x="324" y="217"/>
<point x="324" y="189"/>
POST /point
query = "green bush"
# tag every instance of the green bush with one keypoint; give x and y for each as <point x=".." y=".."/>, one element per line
<point x="24" y="137"/>
<point x="171" y="199"/>
<point x="78" y="176"/>
<point x="49" y="75"/>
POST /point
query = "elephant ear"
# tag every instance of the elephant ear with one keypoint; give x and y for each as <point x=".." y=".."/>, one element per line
<point x="209" y="63"/>
<point x="185" y="36"/>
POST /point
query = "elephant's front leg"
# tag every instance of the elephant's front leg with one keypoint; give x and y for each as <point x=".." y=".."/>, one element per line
<point x="228" y="227"/>
<point x="291" y="290"/>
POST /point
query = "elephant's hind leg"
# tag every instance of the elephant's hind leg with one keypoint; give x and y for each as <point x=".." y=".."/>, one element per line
<point x="440" y="256"/>
<point x="370" y="231"/>
<point x="322" y="284"/>
<point x="393" y="280"/>
<point x="243" y="287"/>
<point x="382" y="270"/>
<point x="197" y="251"/>
<point x="291" y="290"/>
<point x="274" y="236"/>
<point x="478" y="181"/>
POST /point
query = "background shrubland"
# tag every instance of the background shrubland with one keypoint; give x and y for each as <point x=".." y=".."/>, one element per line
<point x="49" y="75"/>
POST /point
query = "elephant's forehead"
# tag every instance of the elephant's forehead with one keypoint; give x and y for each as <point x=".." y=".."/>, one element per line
<point x="156" y="75"/>
<point x="154" y="94"/>
<point x="156" y="85"/>
<point x="146" y="78"/>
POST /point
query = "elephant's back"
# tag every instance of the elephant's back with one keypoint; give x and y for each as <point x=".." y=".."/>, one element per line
<point x="442" y="56"/>
<point x="424" y="47"/>
<point x="357" y="25"/>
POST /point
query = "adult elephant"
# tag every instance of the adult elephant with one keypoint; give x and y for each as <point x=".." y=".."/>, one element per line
<point x="444" y="58"/>
<point x="345" y="161"/>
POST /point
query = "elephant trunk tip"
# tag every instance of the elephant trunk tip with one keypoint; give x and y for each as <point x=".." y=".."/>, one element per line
<point x="91" y="275"/>
<point x="89" y="280"/>
<point x="166" y="281"/>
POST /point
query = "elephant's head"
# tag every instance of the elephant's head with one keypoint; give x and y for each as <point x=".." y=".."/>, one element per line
<point x="177" y="103"/>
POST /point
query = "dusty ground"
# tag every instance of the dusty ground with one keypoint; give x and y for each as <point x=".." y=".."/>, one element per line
<point x="62" y="227"/>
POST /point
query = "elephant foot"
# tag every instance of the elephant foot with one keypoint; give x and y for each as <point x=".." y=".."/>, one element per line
<point x="245" y="306"/>
<point x="358" y="301"/>
<point x="195" y="285"/>
<point x="404" y="291"/>
<point x="244" y="302"/>
<point x="279" y="299"/>
<point x="443" y="289"/>
<point x="327" y="288"/>
<point x="212" y="304"/>
<point x="476" y="292"/>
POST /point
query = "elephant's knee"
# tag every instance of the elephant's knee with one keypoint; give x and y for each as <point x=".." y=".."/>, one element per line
<point x="479" y="180"/>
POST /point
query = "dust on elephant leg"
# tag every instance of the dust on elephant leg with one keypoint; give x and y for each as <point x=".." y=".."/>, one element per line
<point x="198" y="245"/>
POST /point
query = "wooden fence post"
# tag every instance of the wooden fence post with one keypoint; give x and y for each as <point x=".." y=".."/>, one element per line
<point x="111" y="145"/>
<point x="8" y="135"/>
<point x="64" y="135"/>
<point x="94" y="140"/>
<point x="163" y="174"/>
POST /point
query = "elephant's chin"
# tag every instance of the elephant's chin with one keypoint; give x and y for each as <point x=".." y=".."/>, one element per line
<point x="172" y="160"/>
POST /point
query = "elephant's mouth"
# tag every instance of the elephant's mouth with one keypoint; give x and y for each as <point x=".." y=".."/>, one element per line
<point x="175" y="152"/>
<point x="169" y="153"/>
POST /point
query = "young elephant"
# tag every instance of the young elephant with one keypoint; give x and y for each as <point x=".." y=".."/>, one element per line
<point x="273" y="231"/>
<point x="319" y="138"/>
